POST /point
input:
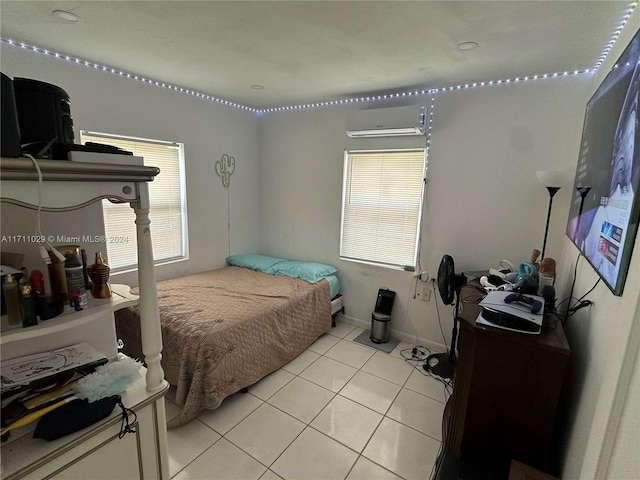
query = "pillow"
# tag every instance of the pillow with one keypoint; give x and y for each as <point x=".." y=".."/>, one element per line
<point x="311" y="272"/>
<point x="261" y="263"/>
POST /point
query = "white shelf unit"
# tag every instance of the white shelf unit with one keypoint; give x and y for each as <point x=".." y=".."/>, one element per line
<point x="69" y="186"/>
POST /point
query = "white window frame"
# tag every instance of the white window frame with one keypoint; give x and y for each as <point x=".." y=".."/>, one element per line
<point x="361" y="257"/>
<point x="112" y="139"/>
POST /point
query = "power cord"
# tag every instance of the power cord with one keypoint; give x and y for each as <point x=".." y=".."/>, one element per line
<point x="419" y="353"/>
<point x="573" y="282"/>
<point x="580" y="303"/>
<point x="43" y="251"/>
<point x="415" y="332"/>
<point x="417" y="357"/>
<point x="435" y="296"/>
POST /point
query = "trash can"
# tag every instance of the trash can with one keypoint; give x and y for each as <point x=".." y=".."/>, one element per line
<point x="381" y="316"/>
<point x="380" y="327"/>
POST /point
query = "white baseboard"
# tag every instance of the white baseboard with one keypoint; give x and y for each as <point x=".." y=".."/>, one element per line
<point x="404" y="337"/>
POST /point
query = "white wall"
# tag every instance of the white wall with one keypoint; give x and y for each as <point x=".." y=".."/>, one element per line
<point x="483" y="202"/>
<point x="605" y="338"/>
<point x="625" y="462"/>
<point x="107" y="103"/>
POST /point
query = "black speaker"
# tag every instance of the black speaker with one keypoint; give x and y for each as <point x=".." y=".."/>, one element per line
<point x="10" y="145"/>
<point x="44" y="113"/>
<point x="549" y="295"/>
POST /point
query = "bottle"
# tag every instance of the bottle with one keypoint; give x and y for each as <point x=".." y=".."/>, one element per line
<point x="11" y="293"/>
<point x="99" y="273"/>
<point x="24" y="277"/>
<point x="57" y="278"/>
<point x="27" y="306"/>
<point x="75" y="278"/>
<point x="36" y="281"/>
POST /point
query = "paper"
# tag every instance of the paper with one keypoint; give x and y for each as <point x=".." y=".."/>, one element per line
<point x="25" y="370"/>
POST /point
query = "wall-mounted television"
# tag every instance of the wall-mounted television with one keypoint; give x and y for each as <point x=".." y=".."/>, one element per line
<point x="605" y="211"/>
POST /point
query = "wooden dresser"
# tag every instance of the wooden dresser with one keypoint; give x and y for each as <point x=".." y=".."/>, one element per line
<point x="506" y="391"/>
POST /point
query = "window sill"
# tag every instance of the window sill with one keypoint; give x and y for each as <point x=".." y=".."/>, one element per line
<point x="405" y="268"/>
<point x="156" y="264"/>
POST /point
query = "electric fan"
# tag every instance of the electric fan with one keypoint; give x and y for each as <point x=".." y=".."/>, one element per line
<point x="449" y="284"/>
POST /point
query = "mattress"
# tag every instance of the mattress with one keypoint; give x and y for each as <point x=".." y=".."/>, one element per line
<point x="334" y="285"/>
<point x="225" y="329"/>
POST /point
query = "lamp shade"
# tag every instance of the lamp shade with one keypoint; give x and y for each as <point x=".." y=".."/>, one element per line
<point x="554" y="178"/>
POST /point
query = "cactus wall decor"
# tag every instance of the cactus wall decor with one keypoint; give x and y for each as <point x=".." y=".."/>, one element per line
<point x="225" y="168"/>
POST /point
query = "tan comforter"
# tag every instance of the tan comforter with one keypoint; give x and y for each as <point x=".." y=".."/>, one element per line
<point x="225" y="329"/>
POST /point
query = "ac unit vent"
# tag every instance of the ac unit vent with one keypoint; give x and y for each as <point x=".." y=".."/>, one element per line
<point x="387" y="122"/>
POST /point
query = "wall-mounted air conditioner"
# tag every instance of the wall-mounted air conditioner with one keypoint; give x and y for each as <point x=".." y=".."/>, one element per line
<point x="387" y="122"/>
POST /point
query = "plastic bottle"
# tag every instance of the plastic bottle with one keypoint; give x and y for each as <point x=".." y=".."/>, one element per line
<point x="75" y="277"/>
<point x="11" y="293"/>
<point x="36" y="281"/>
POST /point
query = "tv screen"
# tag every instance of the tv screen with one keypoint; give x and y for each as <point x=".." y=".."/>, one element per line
<point x="604" y="213"/>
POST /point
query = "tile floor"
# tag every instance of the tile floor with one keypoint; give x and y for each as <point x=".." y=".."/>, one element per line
<point x="339" y="411"/>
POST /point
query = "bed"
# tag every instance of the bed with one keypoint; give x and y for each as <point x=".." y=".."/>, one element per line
<point x="225" y="329"/>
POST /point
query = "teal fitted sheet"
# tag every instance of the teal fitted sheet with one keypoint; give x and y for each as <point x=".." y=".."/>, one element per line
<point x="334" y="285"/>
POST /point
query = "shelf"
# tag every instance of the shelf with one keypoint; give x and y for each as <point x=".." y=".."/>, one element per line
<point x="121" y="298"/>
<point x="64" y="171"/>
<point x="85" y="183"/>
<point x="61" y="330"/>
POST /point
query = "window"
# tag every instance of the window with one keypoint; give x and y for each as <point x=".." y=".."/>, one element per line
<point x="167" y="211"/>
<point x="382" y="206"/>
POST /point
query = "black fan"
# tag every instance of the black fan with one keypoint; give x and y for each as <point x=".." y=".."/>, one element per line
<point x="449" y="284"/>
<point x="446" y="280"/>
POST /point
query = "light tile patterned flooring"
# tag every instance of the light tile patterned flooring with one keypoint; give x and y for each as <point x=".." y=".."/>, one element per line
<point x="339" y="411"/>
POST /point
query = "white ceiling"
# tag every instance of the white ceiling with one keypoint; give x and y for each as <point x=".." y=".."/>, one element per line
<point x="309" y="51"/>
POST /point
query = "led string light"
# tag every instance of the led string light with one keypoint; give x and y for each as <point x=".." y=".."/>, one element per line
<point x="329" y="103"/>
<point x="121" y="73"/>
<point x="431" y="91"/>
<point x="615" y="35"/>
<point x="430" y="111"/>
<point x="347" y="100"/>
<point x="507" y="81"/>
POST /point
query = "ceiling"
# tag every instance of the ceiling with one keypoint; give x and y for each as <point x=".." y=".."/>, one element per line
<point x="310" y="51"/>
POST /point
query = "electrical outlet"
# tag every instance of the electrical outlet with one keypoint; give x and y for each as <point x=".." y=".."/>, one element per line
<point x="426" y="293"/>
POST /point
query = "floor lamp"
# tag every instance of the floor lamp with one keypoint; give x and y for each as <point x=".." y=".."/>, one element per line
<point x="583" y="193"/>
<point x="553" y="181"/>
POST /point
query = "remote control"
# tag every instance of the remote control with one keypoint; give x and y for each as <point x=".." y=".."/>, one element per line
<point x="535" y="305"/>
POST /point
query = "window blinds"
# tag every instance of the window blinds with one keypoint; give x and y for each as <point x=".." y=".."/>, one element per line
<point x="382" y="205"/>
<point x="167" y="213"/>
